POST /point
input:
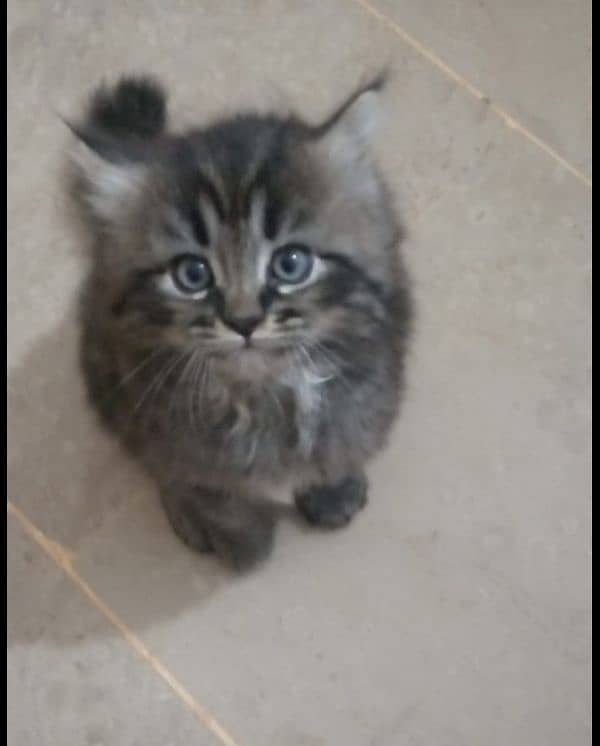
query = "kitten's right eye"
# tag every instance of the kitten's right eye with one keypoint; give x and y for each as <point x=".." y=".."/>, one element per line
<point x="192" y="274"/>
<point x="291" y="264"/>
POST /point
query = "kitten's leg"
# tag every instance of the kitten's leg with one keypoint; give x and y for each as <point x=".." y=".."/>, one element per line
<point x="333" y="505"/>
<point x="179" y="506"/>
<point x="240" y="531"/>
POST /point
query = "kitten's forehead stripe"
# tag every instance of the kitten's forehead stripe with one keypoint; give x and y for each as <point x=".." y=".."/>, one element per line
<point x="273" y="215"/>
<point x="198" y="225"/>
<point x="258" y="201"/>
<point x="211" y="191"/>
<point x="210" y="216"/>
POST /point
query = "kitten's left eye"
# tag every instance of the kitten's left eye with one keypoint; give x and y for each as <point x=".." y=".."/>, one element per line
<point x="291" y="264"/>
<point x="192" y="274"/>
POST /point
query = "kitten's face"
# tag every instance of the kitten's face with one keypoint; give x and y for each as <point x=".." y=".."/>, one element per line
<point x="259" y="243"/>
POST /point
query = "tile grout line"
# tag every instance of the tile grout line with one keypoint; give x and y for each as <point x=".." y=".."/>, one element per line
<point x="508" y="120"/>
<point x="64" y="559"/>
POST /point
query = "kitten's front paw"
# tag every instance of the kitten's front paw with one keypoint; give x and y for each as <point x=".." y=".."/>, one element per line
<point x="244" y="546"/>
<point x="333" y="506"/>
<point x="240" y="532"/>
<point x="185" y="523"/>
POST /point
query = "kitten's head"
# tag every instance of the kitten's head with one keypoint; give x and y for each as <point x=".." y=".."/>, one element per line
<point x="256" y="240"/>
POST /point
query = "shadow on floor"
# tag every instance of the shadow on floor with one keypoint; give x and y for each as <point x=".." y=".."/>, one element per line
<point x="72" y="480"/>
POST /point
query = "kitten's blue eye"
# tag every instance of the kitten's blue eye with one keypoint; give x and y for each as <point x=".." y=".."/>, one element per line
<point x="291" y="264"/>
<point x="192" y="274"/>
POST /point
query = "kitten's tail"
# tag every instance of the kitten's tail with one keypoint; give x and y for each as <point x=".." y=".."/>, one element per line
<point x="134" y="106"/>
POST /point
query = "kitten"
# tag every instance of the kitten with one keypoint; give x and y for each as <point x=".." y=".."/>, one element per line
<point x="246" y="313"/>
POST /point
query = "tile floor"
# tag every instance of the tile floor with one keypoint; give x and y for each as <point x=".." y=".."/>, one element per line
<point x="456" y="610"/>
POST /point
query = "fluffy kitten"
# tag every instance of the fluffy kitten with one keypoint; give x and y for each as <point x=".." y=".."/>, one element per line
<point x="246" y="313"/>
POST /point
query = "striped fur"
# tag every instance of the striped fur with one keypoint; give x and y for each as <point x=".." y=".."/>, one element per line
<point x="217" y="419"/>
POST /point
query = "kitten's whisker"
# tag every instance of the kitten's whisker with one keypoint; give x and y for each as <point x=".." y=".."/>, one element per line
<point x="313" y="370"/>
<point x="184" y="378"/>
<point x="203" y="382"/>
<point x="159" y="380"/>
<point x="198" y="363"/>
<point x="335" y="361"/>
<point x="191" y="383"/>
<point x="133" y="372"/>
<point x="203" y="375"/>
<point x="146" y="391"/>
<point x="181" y="378"/>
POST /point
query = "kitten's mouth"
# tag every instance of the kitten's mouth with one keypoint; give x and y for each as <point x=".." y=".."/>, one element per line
<point x="251" y="363"/>
<point x="249" y="353"/>
<point x="252" y="349"/>
<point x="256" y="351"/>
<point x="251" y="359"/>
<point x="252" y="345"/>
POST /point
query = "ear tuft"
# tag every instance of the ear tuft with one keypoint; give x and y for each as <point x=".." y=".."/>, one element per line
<point x="346" y="135"/>
<point x="135" y="106"/>
<point x="105" y="190"/>
<point x="110" y="161"/>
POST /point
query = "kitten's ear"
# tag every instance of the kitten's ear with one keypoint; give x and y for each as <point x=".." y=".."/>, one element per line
<point x="105" y="189"/>
<point x="346" y="134"/>
<point x="110" y="161"/>
<point x="136" y="107"/>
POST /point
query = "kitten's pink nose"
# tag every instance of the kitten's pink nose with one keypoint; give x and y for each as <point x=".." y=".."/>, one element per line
<point x="243" y="325"/>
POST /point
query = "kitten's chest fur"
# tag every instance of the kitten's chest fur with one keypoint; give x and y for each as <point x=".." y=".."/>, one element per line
<point x="275" y="421"/>
<point x="254" y="429"/>
<point x="291" y="425"/>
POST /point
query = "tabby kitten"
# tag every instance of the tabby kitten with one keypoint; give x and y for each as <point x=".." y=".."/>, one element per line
<point x="245" y="317"/>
